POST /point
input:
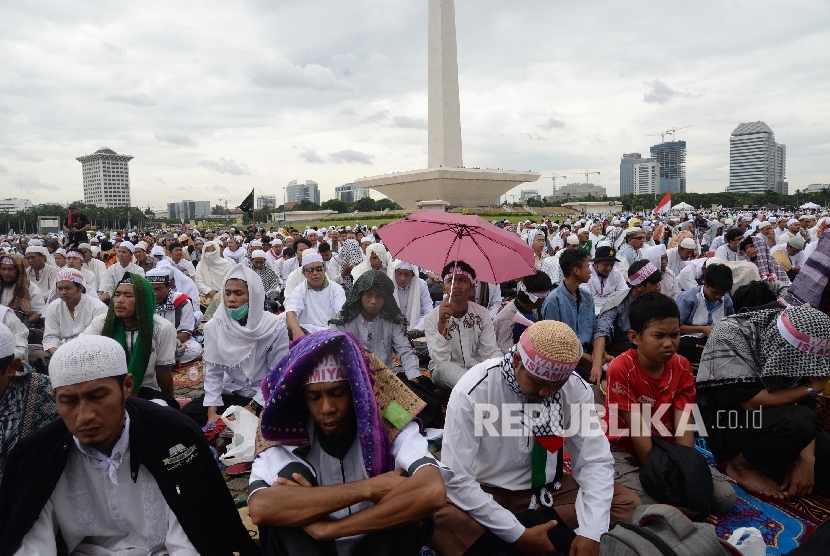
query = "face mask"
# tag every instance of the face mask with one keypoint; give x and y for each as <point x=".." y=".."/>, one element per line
<point x="239" y="313"/>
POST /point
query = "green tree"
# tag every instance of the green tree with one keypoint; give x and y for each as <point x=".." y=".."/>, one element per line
<point x="335" y="204"/>
<point x="305" y="204"/>
<point x="383" y="204"/>
<point x="366" y="204"/>
<point x="218" y="209"/>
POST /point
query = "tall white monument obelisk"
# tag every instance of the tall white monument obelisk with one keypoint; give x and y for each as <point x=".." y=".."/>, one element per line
<point x="446" y="178"/>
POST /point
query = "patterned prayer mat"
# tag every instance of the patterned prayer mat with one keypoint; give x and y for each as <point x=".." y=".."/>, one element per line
<point x="189" y="375"/>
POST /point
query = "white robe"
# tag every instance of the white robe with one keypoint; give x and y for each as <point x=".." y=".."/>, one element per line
<point x="315" y="308"/>
<point x="60" y="327"/>
<point x="603" y="288"/>
<point x="423" y="303"/>
<point x="46" y="281"/>
<point x="115" y="273"/>
<point x="99" y="268"/>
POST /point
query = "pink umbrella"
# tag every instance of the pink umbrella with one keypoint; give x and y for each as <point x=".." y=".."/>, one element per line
<point x="431" y="239"/>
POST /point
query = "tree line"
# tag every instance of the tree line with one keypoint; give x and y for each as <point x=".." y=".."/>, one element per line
<point x="25" y="221"/>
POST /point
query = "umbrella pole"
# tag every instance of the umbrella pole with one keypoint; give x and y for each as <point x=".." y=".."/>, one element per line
<point x="452" y="281"/>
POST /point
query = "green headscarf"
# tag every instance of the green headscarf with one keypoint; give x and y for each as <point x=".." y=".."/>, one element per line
<point x="370" y="280"/>
<point x="145" y="308"/>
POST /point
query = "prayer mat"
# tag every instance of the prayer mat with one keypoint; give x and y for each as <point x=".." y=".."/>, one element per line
<point x="183" y="401"/>
<point x="189" y="375"/>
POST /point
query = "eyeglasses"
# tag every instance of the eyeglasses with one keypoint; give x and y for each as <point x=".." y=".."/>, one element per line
<point x="639" y="238"/>
<point x="313" y="270"/>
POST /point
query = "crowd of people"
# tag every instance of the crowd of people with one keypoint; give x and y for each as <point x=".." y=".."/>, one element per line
<point x="657" y="331"/>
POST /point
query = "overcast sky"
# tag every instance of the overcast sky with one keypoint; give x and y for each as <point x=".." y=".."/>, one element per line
<point x="213" y="98"/>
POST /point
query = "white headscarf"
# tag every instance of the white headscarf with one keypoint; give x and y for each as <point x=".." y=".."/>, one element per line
<point x="213" y="267"/>
<point x="379" y="250"/>
<point x="413" y="305"/>
<point x="235" y="345"/>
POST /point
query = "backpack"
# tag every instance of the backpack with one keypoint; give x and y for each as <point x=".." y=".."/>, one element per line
<point x="661" y="530"/>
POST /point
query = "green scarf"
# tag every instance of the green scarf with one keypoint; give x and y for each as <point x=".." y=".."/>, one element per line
<point x="145" y="308"/>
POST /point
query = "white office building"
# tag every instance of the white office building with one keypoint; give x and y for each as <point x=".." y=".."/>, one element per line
<point x="297" y="192"/>
<point x="349" y="193"/>
<point x="266" y="201"/>
<point x="15" y="205"/>
<point x="647" y="177"/>
<point x="106" y="178"/>
<point x="756" y="162"/>
<point x="579" y="191"/>
<point x="188" y="209"/>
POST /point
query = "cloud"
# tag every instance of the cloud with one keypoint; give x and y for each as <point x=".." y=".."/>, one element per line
<point x="136" y="99"/>
<point x="29" y="158"/>
<point x="311" y="156"/>
<point x="113" y="48"/>
<point x="33" y="182"/>
<point x="281" y="73"/>
<point x="3" y="169"/>
<point x="378" y="116"/>
<point x="553" y="123"/>
<point x="660" y="93"/>
<point x="220" y="189"/>
<point x="347" y="112"/>
<point x="533" y="136"/>
<point x="225" y="167"/>
<point x="349" y="155"/>
<point x="174" y="138"/>
<point x="408" y="122"/>
<point x="161" y="181"/>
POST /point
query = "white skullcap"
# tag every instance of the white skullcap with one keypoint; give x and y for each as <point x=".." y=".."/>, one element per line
<point x="764" y="224"/>
<point x="348" y="228"/>
<point x="141" y="245"/>
<point x="258" y="254"/>
<point x="714" y="260"/>
<point x="276" y="242"/>
<point x="84" y="246"/>
<point x="572" y="240"/>
<point x="796" y="242"/>
<point x="403" y="265"/>
<point x="773" y="219"/>
<point x="86" y="358"/>
<point x="60" y="251"/>
<point x="256" y="243"/>
<point x="366" y="239"/>
<point x="36" y="242"/>
<point x="791" y="221"/>
<point x="6" y="341"/>
<point x="633" y="230"/>
<point x="129" y="245"/>
<point x="314" y="257"/>
<point x="688" y="243"/>
<point x="157" y="250"/>
<point x="37" y="249"/>
<point x="95" y="251"/>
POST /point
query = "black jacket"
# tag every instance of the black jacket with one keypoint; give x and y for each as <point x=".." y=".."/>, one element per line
<point x="189" y="479"/>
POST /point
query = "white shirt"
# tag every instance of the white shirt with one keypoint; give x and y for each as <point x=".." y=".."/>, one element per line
<point x="60" y="326"/>
<point x="293" y="280"/>
<point x="164" y="346"/>
<point x="36" y="299"/>
<point x="20" y="332"/>
<point x="409" y="450"/>
<point x="224" y="380"/>
<point x="796" y="260"/>
<point x="602" y="288"/>
<point x="504" y="461"/>
<point x="725" y="253"/>
<point x="99" y="268"/>
<point x="46" y="280"/>
<point x="99" y="518"/>
<point x="315" y="308"/>
<point x="494" y="301"/>
<point x="426" y="301"/>
<point x="691" y="273"/>
<point x="185" y="266"/>
<point x="115" y="273"/>
<point x="187" y="316"/>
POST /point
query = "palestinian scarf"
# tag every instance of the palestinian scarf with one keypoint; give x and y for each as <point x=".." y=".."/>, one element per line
<point x="351" y="254"/>
<point x="365" y="266"/>
<point x="145" y="308"/>
<point x="213" y="267"/>
<point x="270" y="282"/>
<point x="20" y="298"/>
<point x="413" y="293"/>
<point x="167" y="304"/>
<point x="370" y="280"/>
<point x="768" y="267"/>
<point x="283" y="418"/>
<point x="809" y="285"/>
<point x="750" y="346"/>
<point x="235" y="344"/>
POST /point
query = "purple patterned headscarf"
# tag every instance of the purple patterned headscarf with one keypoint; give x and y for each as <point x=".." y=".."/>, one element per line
<point x="768" y="267"/>
<point x="810" y="283"/>
<point x="282" y="423"/>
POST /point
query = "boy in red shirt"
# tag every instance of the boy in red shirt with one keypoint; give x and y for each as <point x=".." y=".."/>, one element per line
<point x="652" y="374"/>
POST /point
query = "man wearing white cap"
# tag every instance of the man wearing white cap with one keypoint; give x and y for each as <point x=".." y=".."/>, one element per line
<point x="38" y="270"/>
<point x="508" y="488"/>
<point x="270" y="281"/>
<point x="68" y="316"/>
<point x="177" y="308"/>
<point x="175" y="253"/>
<point x="157" y="252"/>
<point x="141" y="257"/>
<point x="315" y="300"/>
<point x="793" y="229"/>
<point x="680" y="256"/>
<point x="96" y="266"/>
<point x="412" y="294"/>
<point x="115" y="475"/>
<point x="790" y="255"/>
<point x="75" y="260"/>
<point x="274" y="255"/>
<point x="26" y="400"/>
<point x="123" y="264"/>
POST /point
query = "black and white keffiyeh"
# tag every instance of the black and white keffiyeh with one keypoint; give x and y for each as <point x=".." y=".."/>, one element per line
<point x="551" y="421"/>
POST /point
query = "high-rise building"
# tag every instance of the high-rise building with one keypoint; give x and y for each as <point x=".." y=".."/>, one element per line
<point x="756" y="162"/>
<point x="349" y="193"/>
<point x="579" y="191"/>
<point x="266" y="201"/>
<point x="647" y="177"/>
<point x="15" y="205"/>
<point x="188" y="209"/>
<point x="672" y="158"/>
<point x="297" y="192"/>
<point x="528" y="194"/>
<point x="627" y="163"/>
<point x="106" y="178"/>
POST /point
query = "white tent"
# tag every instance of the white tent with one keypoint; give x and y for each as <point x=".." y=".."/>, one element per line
<point x="810" y="206"/>
<point x="683" y="206"/>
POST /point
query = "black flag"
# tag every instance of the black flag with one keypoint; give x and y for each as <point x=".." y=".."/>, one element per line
<point x="248" y="204"/>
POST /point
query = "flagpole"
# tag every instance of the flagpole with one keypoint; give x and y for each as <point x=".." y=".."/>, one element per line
<point x="253" y="209"/>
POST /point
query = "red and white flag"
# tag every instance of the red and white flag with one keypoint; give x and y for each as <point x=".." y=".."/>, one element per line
<point x="664" y="205"/>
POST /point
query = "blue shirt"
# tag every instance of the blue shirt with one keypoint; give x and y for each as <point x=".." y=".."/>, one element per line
<point x="689" y="300"/>
<point x="577" y="313"/>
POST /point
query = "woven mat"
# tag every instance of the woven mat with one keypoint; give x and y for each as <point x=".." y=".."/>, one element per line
<point x="182" y="378"/>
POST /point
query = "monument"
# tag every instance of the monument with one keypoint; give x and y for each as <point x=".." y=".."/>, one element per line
<point x="445" y="179"/>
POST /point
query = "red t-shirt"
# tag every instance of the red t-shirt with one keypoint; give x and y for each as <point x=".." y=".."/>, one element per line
<point x="629" y="385"/>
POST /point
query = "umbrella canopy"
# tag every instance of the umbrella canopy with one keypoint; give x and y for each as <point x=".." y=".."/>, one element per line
<point x="810" y="206"/>
<point x="683" y="206"/>
<point x="431" y="239"/>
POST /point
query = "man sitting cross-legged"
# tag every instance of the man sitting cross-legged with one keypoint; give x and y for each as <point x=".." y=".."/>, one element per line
<point x="334" y="475"/>
<point x="758" y="373"/>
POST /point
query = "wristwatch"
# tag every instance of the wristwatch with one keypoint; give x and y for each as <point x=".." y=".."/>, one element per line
<point x="813" y="393"/>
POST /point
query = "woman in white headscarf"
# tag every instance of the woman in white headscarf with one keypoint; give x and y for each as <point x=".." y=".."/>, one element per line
<point x="377" y="258"/>
<point x="536" y="240"/>
<point x="669" y="285"/>
<point x="242" y="342"/>
<point x="210" y="274"/>
<point x="234" y="251"/>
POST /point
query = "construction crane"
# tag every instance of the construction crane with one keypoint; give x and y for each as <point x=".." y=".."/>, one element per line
<point x="553" y="177"/>
<point x="671" y="131"/>
<point x="587" y="173"/>
<point x="662" y="135"/>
